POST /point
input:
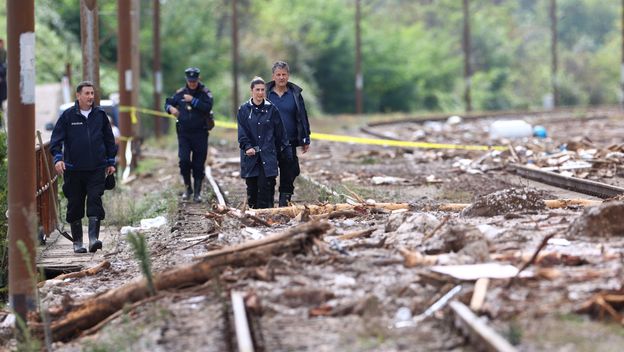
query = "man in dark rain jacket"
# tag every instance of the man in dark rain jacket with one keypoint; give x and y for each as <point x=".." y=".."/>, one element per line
<point x="289" y="101"/>
<point x="84" y="150"/>
<point x="192" y="105"/>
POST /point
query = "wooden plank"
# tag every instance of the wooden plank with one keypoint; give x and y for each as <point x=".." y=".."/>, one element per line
<point x="480" y="334"/>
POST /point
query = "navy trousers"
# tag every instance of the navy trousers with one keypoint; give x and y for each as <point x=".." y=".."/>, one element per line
<point x="260" y="191"/>
<point x="81" y="186"/>
<point x="192" y="153"/>
<point x="288" y="172"/>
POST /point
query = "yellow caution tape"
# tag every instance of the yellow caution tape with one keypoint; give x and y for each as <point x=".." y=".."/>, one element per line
<point x="332" y="137"/>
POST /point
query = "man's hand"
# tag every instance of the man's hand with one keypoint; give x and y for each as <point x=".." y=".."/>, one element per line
<point x="110" y="170"/>
<point x="173" y="111"/>
<point x="59" y="167"/>
<point x="306" y="147"/>
<point x="250" y="152"/>
<point x="187" y="98"/>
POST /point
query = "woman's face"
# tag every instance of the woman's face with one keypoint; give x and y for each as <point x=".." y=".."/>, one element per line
<point x="257" y="92"/>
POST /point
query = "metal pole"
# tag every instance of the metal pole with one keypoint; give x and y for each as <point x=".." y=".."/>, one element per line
<point x="125" y="75"/>
<point x="234" y="58"/>
<point x="553" y="48"/>
<point x="467" y="68"/>
<point x="21" y="154"/>
<point x="156" y="65"/>
<point x="89" y="39"/>
<point x="359" y="80"/>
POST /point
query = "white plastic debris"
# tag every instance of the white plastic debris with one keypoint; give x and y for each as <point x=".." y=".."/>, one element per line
<point x="387" y="180"/>
<point x="559" y="242"/>
<point x="154" y="222"/>
<point x="129" y="229"/>
<point x="454" y="120"/>
<point x="477" y="271"/>
<point x="510" y="129"/>
<point x="344" y="281"/>
<point x="8" y="322"/>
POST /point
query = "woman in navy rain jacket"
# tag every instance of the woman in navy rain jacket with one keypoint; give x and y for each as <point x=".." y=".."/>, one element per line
<point x="261" y="137"/>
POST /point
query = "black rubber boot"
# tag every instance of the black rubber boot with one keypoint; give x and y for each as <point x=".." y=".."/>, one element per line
<point x="284" y="199"/>
<point x="197" y="191"/>
<point x="188" y="193"/>
<point x="76" y="231"/>
<point x="187" y="184"/>
<point x="94" y="234"/>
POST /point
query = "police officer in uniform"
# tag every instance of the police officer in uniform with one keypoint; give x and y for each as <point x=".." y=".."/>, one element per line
<point x="84" y="150"/>
<point x="192" y="106"/>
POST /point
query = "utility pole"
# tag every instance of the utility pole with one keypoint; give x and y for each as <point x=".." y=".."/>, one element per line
<point x="553" y="48"/>
<point x="126" y="84"/>
<point x="156" y="66"/>
<point x="622" y="60"/>
<point x="359" y="80"/>
<point x="234" y="58"/>
<point x="135" y="66"/>
<point x="21" y="155"/>
<point x="89" y="40"/>
<point x="467" y="68"/>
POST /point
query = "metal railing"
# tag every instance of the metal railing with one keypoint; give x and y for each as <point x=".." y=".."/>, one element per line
<point x="47" y="191"/>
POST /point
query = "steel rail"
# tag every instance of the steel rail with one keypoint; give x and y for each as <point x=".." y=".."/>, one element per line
<point x="598" y="189"/>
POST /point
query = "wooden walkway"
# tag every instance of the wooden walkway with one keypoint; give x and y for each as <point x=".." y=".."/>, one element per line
<point x="58" y="257"/>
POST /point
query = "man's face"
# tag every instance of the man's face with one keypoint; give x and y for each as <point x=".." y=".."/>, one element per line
<point x="192" y="84"/>
<point x="280" y="76"/>
<point x="85" y="96"/>
<point x="257" y="92"/>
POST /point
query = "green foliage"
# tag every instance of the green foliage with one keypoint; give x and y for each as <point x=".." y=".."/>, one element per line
<point x="411" y="50"/>
<point x="141" y="253"/>
<point x="124" y="209"/>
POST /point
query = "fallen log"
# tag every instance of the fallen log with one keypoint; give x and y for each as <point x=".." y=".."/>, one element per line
<point x="550" y="203"/>
<point x="90" y="312"/>
<point x="314" y="209"/>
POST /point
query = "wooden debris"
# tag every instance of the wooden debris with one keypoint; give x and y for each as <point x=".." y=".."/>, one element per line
<point x="480" y="334"/>
<point x="550" y="203"/>
<point x="356" y="234"/>
<point x="478" y="295"/>
<point x="87" y="272"/>
<point x="413" y="259"/>
<point x="294" y="210"/>
<point x="90" y="312"/>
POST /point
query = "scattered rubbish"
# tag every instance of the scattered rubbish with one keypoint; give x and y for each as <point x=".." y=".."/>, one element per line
<point x="539" y="131"/>
<point x="510" y="129"/>
<point x="403" y="314"/>
<point x="477" y="271"/>
<point x="439" y="304"/>
<point x="559" y="242"/>
<point x="153" y="222"/>
<point x="454" y="120"/>
<point x="145" y="225"/>
<point x="506" y="201"/>
<point x="387" y="180"/>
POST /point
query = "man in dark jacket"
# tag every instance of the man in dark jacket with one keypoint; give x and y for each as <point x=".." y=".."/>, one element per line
<point x="192" y="105"/>
<point x="84" y="150"/>
<point x="288" y="99"/>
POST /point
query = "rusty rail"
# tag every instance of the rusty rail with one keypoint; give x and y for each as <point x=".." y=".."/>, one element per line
<point x="46" y="215"/>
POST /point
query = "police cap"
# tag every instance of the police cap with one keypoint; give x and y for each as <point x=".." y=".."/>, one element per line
<point x="192" y="74"/>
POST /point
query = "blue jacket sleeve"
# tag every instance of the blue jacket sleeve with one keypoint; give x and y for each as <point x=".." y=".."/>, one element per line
<point x="305" y="122"/>
<point x="109" y="142"/>
<point x="171" y="101"/>
<point x="58" y="138"/>
<point x="203" y="101"/>
<point x="244" y="142"/>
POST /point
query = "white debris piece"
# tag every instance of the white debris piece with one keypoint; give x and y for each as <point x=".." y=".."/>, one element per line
<point x="387" y="180"/>
<point x="477" y="271"/>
